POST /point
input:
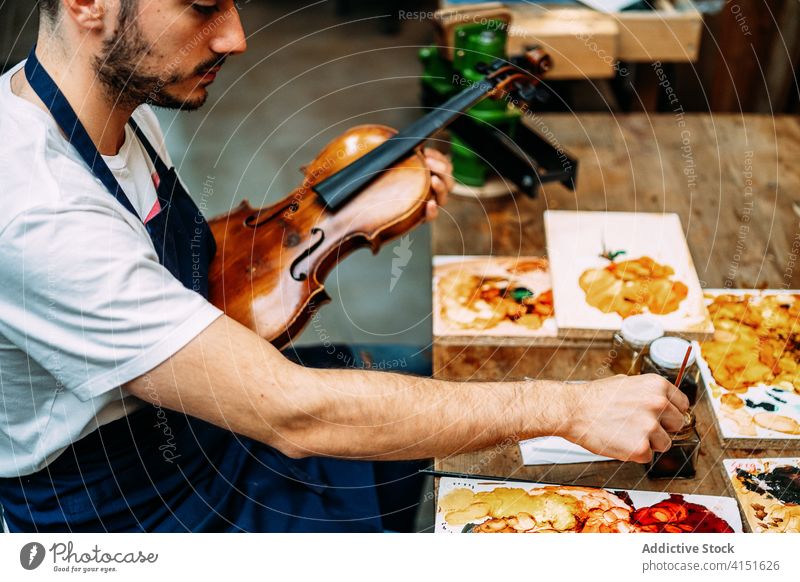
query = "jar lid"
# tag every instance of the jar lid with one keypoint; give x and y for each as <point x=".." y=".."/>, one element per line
<point x="640" y="330"/>
<point x="668" y="352"/>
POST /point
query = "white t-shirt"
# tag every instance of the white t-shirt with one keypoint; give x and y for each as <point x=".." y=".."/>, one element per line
<point x="85" y="305"/>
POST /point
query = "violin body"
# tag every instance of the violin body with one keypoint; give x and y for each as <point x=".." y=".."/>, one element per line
<point x="271" y="263"/>
<point x="368" y="186"/>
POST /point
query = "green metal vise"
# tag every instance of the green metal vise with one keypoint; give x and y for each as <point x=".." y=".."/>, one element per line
<point x="474" y="43"/>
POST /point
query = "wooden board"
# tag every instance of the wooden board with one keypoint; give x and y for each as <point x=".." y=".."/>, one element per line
<point x="783" y="401"/>
<point x="576" y="243"/>
<point x="472" y="502"/>
<point x="766" y="511"/>
<point x="461" y="313"/>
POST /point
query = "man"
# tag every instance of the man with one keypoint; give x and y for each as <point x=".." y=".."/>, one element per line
<point x="131" y="403"/>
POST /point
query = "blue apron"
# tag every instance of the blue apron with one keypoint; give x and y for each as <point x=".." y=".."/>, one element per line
<point x="126" y="477"/>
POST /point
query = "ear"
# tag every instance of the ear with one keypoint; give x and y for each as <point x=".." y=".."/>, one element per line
<point x="87" y="14"/>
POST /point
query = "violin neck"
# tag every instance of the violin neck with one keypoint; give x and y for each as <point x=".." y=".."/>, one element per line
<point x="336" y="190"/>
<point x="441" y="117"/>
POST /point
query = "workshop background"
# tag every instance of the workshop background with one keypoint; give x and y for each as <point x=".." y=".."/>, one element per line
<point x="314" y="69"/>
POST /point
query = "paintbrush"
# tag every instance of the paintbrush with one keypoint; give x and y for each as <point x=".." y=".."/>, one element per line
<point x="687" y="416"/>
<point x="679" y="379"/>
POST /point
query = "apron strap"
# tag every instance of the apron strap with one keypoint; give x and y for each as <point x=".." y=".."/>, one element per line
<point x="65" y="116"/>
<point x="161" y="167"/>
<point x="172" y="225"/>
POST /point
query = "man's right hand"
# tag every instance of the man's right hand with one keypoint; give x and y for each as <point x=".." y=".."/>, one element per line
<point x="624" y="417"/>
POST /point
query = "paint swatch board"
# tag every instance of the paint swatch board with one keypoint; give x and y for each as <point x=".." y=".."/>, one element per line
<point x="493" y="300"/>
<point x="466" y="505"/>
<point x="768" y="491"/>
<point x="751" y="367"/>
<point x="607" y="266"/>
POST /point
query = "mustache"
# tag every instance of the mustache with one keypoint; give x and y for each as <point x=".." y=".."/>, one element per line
<point x="212" y="63"/>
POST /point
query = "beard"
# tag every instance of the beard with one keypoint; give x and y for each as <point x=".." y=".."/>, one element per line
<point x="119" y="69"/>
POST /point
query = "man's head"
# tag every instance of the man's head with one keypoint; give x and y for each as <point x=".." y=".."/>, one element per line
<point x="162" y="52"/>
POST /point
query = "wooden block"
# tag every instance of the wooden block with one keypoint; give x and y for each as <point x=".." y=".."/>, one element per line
<point x="588" y="44"/>
<point x="582" y="43"/>
<point x="669" y="34"/>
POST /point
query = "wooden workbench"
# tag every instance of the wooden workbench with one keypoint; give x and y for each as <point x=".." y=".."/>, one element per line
<point x="717" y="172"/>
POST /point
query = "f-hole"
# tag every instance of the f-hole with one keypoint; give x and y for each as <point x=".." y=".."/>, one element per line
<point x="306" y="253"/>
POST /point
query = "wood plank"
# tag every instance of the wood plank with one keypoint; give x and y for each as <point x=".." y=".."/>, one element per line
<point x="479" y="362"/>
<point x="582" y="43"/>
<point x="669" y="34"/>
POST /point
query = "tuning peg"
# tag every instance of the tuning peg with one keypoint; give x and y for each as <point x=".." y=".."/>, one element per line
<point x="539" y="62"/>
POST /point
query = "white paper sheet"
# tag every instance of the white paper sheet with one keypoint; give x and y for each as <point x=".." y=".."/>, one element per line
<point x="608" y="6"/>
<point x="555" y="451"/>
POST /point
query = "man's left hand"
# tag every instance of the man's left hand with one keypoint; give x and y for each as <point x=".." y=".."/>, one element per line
<point x="441" y="180"/>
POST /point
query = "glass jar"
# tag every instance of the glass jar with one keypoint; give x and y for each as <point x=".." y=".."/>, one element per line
<point x="665" y="358"/>
<point x="679" y="461"/>
<point x="630" y="343"/>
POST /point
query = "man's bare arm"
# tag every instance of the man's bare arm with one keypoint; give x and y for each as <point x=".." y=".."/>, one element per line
<point x="231" y="377"/>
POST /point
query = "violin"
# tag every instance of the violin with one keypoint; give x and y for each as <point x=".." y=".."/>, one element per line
<point x="367" y="187"/>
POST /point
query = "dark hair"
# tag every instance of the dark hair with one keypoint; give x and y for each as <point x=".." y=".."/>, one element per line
<point x="49" y="8"/>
